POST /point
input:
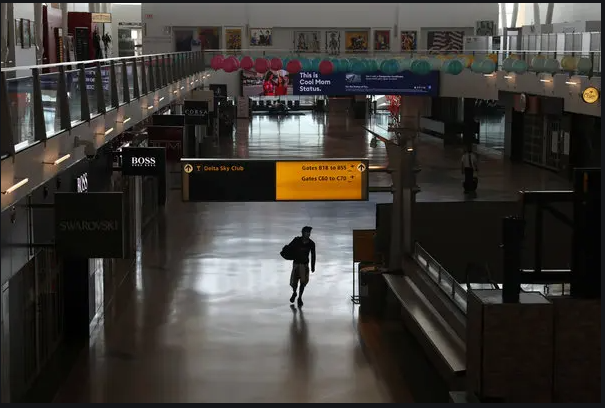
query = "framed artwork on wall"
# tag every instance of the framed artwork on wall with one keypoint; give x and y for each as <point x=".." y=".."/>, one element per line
<point x="307" y="41"/>
<point x="409" y="41"/>
<point x="445" y="41"/>
<point x="485" y="28"/>
<point x="356" y="41"/>
<point x="197" y="39"/>
<point x="18" y="33"/>
<point x="233" y="37"/>
<point x="382" y="40"/>
<point x="261" y="37"/>
<point x="26" y="38"/>
<point x="333" y="42"/>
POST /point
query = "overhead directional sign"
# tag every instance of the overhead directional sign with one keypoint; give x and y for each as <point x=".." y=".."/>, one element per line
<point x="270" y="180"/>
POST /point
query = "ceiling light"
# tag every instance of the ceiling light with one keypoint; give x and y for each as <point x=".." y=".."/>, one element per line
<point x="108" y="131"/>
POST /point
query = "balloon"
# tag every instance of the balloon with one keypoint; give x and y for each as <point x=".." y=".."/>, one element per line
<point x="383" y="66"/>
<point x="435" y="64"/>
<point x="519" y="67"/>
<point x="488" y="66"/>
<point x="276" y="64"/>
<point x="476" y="66"/>
<point x="405" y="64"/>
<point x="315" y="64"/>
<point x="421" y="67"/>
<point x="454" y="67"/>
<point x="334" y="62"/>
<point x="344" y="65"/>
<point x="357" y="67"/>
<point x="217" y="62"/>
<point x="294" y="66"/>
<point x="326" y="67"/>
<point x="507" y="64"/>
<point x="261" y="65"/>
<point x="306" y="64"/>
<point x="229" y="65"/>
<point x="284" y="62"/>
<point x="246" y="63"/>
<point x="372" y="65"/>
<point x="568" y="63"/>
<point x="584" y="66"/>
<point x="551" y="66"/>
<point x="537" y="63"/>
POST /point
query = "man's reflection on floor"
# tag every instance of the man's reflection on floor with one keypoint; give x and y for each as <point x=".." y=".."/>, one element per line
<point x="300" y="352"/>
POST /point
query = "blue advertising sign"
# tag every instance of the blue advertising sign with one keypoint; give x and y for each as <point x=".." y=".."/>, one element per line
<point x="404" y="83"/>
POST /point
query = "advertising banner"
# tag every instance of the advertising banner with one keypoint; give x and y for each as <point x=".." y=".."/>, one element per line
<point x="90" y="225"/>
<point x="339" y="84"/>
<point x="170" y="137"/>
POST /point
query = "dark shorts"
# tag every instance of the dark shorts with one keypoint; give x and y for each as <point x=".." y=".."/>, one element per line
<point x="300" y="273"/>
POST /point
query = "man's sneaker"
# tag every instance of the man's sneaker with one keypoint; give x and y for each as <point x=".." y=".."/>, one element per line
<point x="300" y="302"/>
<point x="293" y="298"/>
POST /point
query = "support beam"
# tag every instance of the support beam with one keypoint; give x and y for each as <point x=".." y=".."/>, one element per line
<point x="515" y="16"/>
<point x="537" y="20"/>
<point x="549" y="11"/>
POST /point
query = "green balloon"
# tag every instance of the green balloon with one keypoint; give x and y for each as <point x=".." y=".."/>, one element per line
<point x="454" y="67"/>
<point x="537" y="64"/>
<point x="584" y="66"/>
<point x="384" y="66"/>
<point x="507" y="64"/>
<point x="344" y="65"/>
<point x="421" y="67"/>
<point x="519" y="66"/>
<point x="405" y="64"/>
<point x="488" y="66"/>
<point x="552" y="66"/>
<point x="476" y="66"/>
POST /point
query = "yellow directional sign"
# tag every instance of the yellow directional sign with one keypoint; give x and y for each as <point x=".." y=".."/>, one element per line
<point x="326" y="180"/>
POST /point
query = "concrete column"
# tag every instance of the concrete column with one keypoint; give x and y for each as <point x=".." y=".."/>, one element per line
<point x="93" y="7"/>
<point x="537" y="22"/>
<point x="513" y="20"/>
<point x="549" y="11"/>
<point x="411" y="109"/>
<point x="4" y="27"/>
<point x="38" y="33"/>
<point x="64" y="10"/>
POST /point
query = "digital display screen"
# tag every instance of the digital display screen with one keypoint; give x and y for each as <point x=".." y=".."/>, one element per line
<point x="224" y="180"/>
<point x="377" y="83"/>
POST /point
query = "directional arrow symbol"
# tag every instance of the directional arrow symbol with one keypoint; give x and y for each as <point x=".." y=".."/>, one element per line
<point x="188" y="168"/>
<point x="361" y="167"/>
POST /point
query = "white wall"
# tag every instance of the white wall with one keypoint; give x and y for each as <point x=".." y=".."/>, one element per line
<point x="122" y="13"/>
<point x="565" y="12"/>
<point x="77" y="7"/>
<point x="282" y="17"/>
<point x="24" y="56"/>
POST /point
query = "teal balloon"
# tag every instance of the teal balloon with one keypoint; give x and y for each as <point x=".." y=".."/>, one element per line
<point x="405" y="64"/>
<point x="584" y="66"/>
<point x="488" y="66"/>
<point x="537" y="64"/>
<point x="334" y="62"/>
<point x="306" y="64"/>
<point x="357" y="67"/>
<point x="421" y="67"/>
<point x="344" y="65"/>
<point x="384" y="66"/>
<point x="552" y="66"/>
<point x="285" y="61"/>
<point x="519" y="67"/>
<point x="315" y="64"/>
<point x="392" y="67"/>
<point x="453" y="67"/>
<point x="507" y="64"/>
<point x="476" y="66"/>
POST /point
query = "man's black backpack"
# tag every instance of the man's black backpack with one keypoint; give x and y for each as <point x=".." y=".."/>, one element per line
<point x="287" y="252"/>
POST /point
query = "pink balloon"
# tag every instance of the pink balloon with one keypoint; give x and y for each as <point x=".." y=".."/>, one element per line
<point x="326" y="67"/>
<point x="234" y="63"/>
<point x="246" y="63"/>
<point x="261" y="65"/>
<point x="276" y="64"/>
<point x="217" y="62"/>
<point x="294" y="66"/>
<point x="228" y="65"/>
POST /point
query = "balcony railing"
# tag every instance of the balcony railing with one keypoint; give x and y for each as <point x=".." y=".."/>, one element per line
<point x="57" y="97"/>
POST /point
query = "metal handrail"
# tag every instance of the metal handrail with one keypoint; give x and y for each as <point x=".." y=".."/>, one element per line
<point x="444" y="280"/>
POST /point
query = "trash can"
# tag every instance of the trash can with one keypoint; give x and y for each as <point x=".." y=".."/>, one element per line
<point x="372" y="290"/>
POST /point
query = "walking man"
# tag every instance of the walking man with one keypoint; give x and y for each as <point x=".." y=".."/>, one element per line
<point x="301" y="248"/>
<point x="469" y="168"/>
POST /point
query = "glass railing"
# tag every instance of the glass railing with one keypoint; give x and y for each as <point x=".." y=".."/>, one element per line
<point x="457" y="292"/>
<point x="441" y="277"/>
<point x="56" y="97"/>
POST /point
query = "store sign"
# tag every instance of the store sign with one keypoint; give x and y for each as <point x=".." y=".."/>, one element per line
<point x="82" y="183"/>
<point x="591" y="95"/>
<point x="101" y="17"/>
<point x="196" y="112"/>
<point x="90" y="225"/>
<point x="143" y="161"/>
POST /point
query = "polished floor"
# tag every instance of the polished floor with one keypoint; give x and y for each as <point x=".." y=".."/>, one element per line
<point x="208" y="318"/>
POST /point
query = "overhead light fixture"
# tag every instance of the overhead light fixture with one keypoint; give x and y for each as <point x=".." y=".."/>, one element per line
<point x="16" y="186"/>
<point x="123" y="121"/>
<point x="161" y="99"/>
<point x="409" y="149"/>
<point x="150" y="107"/>
<point x="571" y="83"/>
<point x="488" y="75"/>
<point x="108" y="131"/>
<point x="175" y="92"/>
<point x="59" y="160"/>
<point x="191" y="83"/>
<point x="182" y="87"/>
<point x="508" y="76"/>
<point x="545" y="80"/>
